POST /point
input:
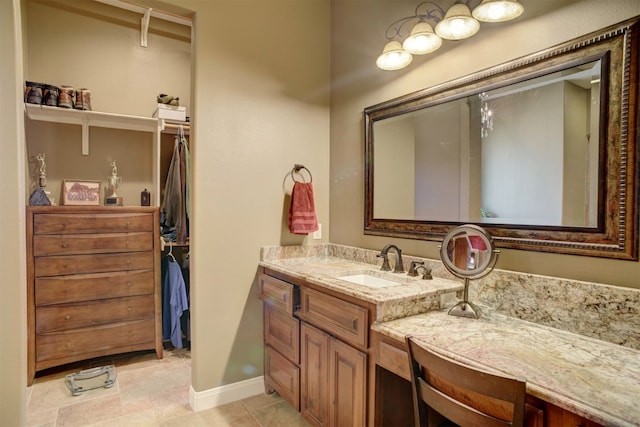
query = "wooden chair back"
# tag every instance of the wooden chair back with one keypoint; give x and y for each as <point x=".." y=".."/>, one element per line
<point x="466" y="396"/>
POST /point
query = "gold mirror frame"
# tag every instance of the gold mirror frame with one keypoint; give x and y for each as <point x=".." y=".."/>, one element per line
<point x="616" y="234"/>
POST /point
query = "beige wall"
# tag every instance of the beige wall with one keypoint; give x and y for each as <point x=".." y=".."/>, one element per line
<point x="261" y="104"/>
<point x="13" y="305"/>
<point x="357" y="39"/>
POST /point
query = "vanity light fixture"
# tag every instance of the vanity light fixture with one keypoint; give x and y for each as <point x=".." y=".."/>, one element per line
<point x="457" y="23"/>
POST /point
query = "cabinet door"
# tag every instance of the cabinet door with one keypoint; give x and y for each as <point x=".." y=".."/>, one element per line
<point x="314" y="384"/>
<point x="282" y="376"/>
<point x="282" y="332"/>
<point x="348" y="385"/>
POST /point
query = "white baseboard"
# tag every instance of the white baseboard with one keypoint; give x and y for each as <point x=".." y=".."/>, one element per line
<point x="201" y="400"/>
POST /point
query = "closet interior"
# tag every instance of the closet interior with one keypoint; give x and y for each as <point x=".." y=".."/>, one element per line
<point x="104" y="272"/>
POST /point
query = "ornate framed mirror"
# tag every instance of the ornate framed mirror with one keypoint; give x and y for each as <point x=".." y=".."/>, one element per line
<point x="542" y="152"/>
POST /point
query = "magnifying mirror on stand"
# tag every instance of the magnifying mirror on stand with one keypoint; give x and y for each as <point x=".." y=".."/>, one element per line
<point x="468" y="252"/>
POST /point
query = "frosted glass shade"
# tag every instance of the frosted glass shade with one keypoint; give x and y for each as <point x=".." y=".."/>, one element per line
<point x="393" y="57"/>
<point x="422" y="40"/>
<point x="458" y="23"/>
<point x="498" y="10"/>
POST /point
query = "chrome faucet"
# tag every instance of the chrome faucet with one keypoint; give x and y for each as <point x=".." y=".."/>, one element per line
<point x="384" y="254"/>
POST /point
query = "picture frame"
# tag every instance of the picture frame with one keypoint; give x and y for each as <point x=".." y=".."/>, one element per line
<point x="80" y="192"/>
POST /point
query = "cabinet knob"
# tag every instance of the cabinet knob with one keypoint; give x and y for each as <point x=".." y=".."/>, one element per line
<point x="130" y="333"/>
<point x="129" y="309"/>
<point x="67" y="317"/>
<point x="127" y="243"/>
<point x="129" y="284"/>
<point x="68" y="344"/>
<point x="64" y="245"/>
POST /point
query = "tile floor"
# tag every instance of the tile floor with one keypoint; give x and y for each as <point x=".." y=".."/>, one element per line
<point x="148" y="392"/>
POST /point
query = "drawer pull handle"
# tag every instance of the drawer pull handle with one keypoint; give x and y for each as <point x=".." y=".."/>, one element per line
<point x="355" y="324"/>
<point x="64" y="245"/>
<point x="129" y="284"/>
<point x="130" y="333"/>
<point x="67" y="317"/>
<point x="127" y="243"/>
<point x="129" y="309"/>
<point x="68" y="344"/>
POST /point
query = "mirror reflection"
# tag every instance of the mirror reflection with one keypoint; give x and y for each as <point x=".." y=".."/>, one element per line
<point x="525" y="153"/>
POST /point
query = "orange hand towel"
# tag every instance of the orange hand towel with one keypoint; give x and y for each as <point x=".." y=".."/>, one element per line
<point x="302" y="211"/>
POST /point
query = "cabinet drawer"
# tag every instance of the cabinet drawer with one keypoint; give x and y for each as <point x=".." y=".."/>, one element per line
<point x="74" y="342"/>
<point x="72" y="316"/>
<point x="278" y="294"/>
<point x="339" y="318"/>
<point x="116" y="222"/>
<point x="60" y="265"/>
<point x="393" y="359"/>
<point x="52" y="244"/>
<point x="87" y="287"/>
<point x="282" y="332"/>
<point x="282" y="376"/>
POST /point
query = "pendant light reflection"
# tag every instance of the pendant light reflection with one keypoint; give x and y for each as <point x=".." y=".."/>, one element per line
<point x="498" y="10"/>
<point x="393" y="57"/>
<point x="457" y="23"/>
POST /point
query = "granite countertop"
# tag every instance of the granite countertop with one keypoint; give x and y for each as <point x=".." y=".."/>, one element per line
<point x="592" y="378"/>
<point x="412" y="295"/>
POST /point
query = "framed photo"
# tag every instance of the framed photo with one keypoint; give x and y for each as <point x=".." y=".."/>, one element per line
<point x="82" y="193"/>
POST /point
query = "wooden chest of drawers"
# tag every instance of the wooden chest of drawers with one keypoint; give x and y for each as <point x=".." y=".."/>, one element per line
<point x="93" y="283"/>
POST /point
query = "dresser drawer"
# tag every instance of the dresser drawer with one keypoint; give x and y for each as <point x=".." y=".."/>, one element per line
<point x="81" y="315"/>
<point x="282" y="332"/>
<point x="52" y="244"/>
<point x="87" y="287"/>
<point x="278" y="294"/>
<point x="282" y="376"/>
<point x="60" y="265"/>
<point x="67" y="344"/>
<point x="116" y="222"/>
<point x="339" y="318"/>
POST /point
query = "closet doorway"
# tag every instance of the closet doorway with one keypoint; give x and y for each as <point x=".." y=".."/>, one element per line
<point x="125" y="55"/>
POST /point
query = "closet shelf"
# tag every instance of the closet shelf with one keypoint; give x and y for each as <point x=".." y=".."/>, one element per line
<point x="90" y="118"/>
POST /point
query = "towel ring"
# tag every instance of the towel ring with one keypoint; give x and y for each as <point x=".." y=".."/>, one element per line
<point x="296" y="169"/>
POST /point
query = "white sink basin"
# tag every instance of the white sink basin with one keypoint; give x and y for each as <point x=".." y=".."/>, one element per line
<point x="370" y="281"/>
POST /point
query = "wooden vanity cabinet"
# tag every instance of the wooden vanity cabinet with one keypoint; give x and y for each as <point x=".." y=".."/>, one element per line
<point x="93" y="283"/>
<point x="315" y="351"/>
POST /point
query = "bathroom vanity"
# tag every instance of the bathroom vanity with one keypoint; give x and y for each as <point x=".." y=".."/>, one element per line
<point x="335" y="349"/>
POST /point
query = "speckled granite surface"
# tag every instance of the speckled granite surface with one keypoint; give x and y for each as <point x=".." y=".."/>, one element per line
<point x="411" y="295"/>
<point x="608" y="313"/>
<point x="576" y="342"/>
<point x="592" y="378"/>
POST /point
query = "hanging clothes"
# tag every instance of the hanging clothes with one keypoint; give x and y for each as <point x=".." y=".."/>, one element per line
<point x="177" y="192"/>
<point x="174" y="302"/>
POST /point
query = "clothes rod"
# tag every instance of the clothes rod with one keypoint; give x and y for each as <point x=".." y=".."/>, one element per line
<point x="160" y="14"/>
<point x="175" y="126"/>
